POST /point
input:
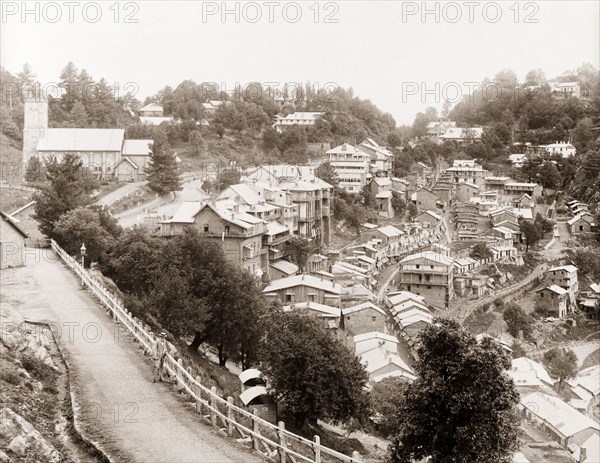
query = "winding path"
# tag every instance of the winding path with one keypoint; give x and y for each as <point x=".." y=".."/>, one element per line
<point x="132" y="419"/>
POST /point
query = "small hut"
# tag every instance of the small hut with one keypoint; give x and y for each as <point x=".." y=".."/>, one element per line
<point x="255" y="396"/>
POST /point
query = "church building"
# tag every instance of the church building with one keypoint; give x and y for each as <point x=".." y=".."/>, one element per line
<point x="105" y="152"/>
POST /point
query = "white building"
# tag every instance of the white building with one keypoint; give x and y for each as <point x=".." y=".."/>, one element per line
<point x="351" y="166"/>
<point x="304" y="119"/>
<point x="565" y="149"/>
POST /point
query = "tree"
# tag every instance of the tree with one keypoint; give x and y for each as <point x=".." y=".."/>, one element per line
<point x="162" y="171"/>
<point x="462" y="406"/>
<point x="228" y="177"/>
<point x="133" y="261"/>
<point x="481" y="251"/>
<point x="517" y="321"/>
<point x="197" y="144"/>
<point x="412" y="211"/>
<point x="220" y="128"/>
<point x="69" y="187"/>
<point x="544" y="225"/>
<point x="398" y="204"/>
<point x="549" y="176"/>
<point x="82" y="226"/>
<point x="386" y="397"/>
<point x="297" y="250"/>
<point x="35" y="171"/>
<point x="531" y="233"/>
<point x="561" y="364"/>
<point x="582" y="134"/>
<point x="326" y="172"/>
<point x="310" y="372"/>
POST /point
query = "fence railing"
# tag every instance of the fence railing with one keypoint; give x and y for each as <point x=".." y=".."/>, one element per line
<point x="274" y="441"/>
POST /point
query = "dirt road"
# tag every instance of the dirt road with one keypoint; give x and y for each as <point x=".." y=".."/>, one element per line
<point x="132" y="419"/>
<point x="119" y="193"/>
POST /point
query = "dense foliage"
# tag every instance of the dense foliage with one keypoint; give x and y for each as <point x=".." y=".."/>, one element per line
<point x="311" y="372"/>
<point x="462" y="407"/>
<point x="188" y="286"/>
<point x="69" y="186"/>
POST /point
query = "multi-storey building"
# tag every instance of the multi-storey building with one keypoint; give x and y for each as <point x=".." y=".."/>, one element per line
<point x="312" y="195"/>
<point x="466" y="171"/>
<point x="278" y="217"/>
<point x="351" y="166"/>
<point x="239" y="234"/>
<point x="565" y="276"/>
<point x="430" y="275"/>
<point x="382" y="159"/>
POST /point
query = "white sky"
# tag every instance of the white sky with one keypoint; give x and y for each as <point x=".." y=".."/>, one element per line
<point x="371" y="48"/>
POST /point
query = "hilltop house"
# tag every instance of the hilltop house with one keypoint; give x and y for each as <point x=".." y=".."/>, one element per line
<point x="566" y="89"/>
<point x="302" y="119"/>
<point x="153" y="114"/>
<point x="462" y="135"/>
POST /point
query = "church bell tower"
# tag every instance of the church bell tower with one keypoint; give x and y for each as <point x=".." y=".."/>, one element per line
<point x="35" y="122"/>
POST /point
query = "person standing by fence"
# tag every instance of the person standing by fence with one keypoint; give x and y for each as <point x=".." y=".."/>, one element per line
<point x="160" y="352"/>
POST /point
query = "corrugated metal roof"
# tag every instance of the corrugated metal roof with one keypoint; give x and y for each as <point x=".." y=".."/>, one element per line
<point x="252" y="393"/>
<point x="285" y="266"/>
<point x="137" y="147"/>
<point x="76" y="140"/>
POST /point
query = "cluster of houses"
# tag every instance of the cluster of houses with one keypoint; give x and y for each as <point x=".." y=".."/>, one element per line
<point x="254" y="219"/>
<point x="571" y="422"/>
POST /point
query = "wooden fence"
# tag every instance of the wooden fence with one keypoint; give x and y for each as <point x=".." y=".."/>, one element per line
<point x="273" y="441"/>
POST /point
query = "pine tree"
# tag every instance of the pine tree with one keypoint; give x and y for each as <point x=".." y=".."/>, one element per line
<point x="35" y="172"/>
<point x="162" y="171"/>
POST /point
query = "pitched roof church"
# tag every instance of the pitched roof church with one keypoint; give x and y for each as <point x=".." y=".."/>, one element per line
<point x="105" y="152"/>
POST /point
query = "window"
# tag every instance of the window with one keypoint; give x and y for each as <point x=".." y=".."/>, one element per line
<point x="226" y="230"/>
<point x="417" y="266"/>
<point x="289" y="297"/>
<point x="373" y="318"/>
<point x="428" y="286"/>
<point x="205" y="228"/>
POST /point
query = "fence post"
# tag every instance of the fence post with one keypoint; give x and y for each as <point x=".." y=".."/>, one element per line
<point x="198" y="392"/>
<point x="356" y="456"/>
<point x="213" y="406"/>
<point x="229" y="416"/>
<point x="281" y="438"/>
<point x="317" y="450"/>
<point x="255" y="429"/>
<point x="178" y="380"/>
